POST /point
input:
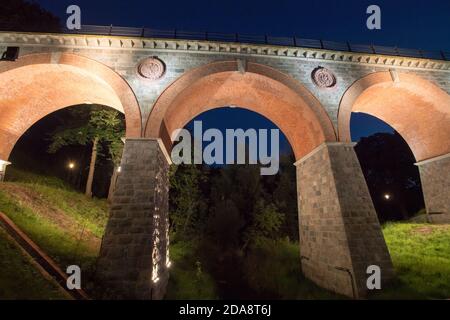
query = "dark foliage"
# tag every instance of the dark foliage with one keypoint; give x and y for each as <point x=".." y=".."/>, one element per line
<point x="388" y="166"/>
<point x="21" y="15"/>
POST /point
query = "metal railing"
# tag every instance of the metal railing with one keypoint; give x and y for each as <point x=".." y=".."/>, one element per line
<point x="258" y="39"/>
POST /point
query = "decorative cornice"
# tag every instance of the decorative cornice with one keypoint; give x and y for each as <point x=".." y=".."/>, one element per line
<point x="136" y="43"/>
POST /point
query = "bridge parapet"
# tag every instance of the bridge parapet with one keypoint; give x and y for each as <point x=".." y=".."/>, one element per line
<point x="367" y="56"/>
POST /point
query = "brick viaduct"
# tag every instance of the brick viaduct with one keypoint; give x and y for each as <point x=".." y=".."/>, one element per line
<point x="161" y="84"/>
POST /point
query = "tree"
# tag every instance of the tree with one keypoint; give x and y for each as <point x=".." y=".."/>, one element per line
<point x="388" y="166"/>
<point x="267" y="221"/>
<point x="284" y="196"/>
<point x="187" y="202"/>
<point x="103" y="128"/>
<point x="20" y="15"/>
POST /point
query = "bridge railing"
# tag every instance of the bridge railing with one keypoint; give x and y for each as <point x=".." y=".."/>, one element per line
<point x="258" y="39"/>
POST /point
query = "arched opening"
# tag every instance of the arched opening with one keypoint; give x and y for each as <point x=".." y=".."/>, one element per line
<point x="54" y="163"/>
<point x="416" y="108"/>
<point x="40" y="150"/>
<point x="234" y="223"/>
<point x="420" y="112"/>
<point x="39" y="84"/>
<point x="258" y="88"/>
<point x="332" y="197"/>
<point x="388" y="165"/>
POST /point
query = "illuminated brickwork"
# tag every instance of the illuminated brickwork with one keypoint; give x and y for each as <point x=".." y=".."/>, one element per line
<point x="133" y="261"/>
<point x="161" y="84"/>
<point x="340" y="235"/>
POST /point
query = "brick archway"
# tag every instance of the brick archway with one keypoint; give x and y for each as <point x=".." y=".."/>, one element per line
<point x="38" y="84"/>
<point x="417" y="109"/>
<point x="258" y="88"/>
<point x="340" y="235"/>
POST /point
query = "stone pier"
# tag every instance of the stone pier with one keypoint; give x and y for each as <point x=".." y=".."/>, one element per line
<point x="133" y="262"/>
<point x="340" y="235"/>
<point x="435" y="178"/>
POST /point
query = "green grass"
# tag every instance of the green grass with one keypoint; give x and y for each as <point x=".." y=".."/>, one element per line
<point x="66" y="247"/>
<point x="420" y="252"/>
<point x="62" y="247"/>
<point x="27" y="283"/>
<point x="188" y="280"/>
<point x="89" y="212"/>
<point x="421" y="257"/>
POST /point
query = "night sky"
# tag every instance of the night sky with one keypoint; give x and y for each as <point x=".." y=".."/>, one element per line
<point x="408" y="24"/>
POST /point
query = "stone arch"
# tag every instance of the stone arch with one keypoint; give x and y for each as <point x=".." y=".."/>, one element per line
<point x="38" y="84"/>
<point x="339" y="232"/>
<point x="418" y="109"/>
<point x="259" y="88"/>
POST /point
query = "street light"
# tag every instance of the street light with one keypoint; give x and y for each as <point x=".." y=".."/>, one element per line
<point x="387" y="196"/>
<point x="71" y="165"/>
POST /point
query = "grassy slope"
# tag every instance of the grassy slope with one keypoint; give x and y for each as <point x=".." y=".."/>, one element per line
<point x="421" y="257"/>
<point x="69" y="226"/>
<point x="27" y="283"/>
<point x="64" y="223"/>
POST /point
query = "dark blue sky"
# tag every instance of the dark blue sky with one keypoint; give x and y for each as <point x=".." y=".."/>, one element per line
<point x="408" y="24"/>
<point x="361" y="125"/>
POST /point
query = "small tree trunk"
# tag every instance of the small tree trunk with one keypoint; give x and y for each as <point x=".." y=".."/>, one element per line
<point x="91" y="168"/>
<point x="112" y="184"/>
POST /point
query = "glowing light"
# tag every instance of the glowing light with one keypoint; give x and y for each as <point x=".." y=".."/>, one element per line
<point x="119" y="169"/>
<point x="387" y="196"/>
<point x="168" y="264"/>
<point x="155" y="280"/>
<point x="3" y="164"/>
<point x="71" y="165"/>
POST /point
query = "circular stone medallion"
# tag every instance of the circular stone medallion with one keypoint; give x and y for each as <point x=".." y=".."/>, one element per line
<point x="151" y="68"/>
<point x="323" y="78"/>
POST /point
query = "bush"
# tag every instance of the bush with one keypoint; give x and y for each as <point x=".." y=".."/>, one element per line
<point x="188" y="279"/>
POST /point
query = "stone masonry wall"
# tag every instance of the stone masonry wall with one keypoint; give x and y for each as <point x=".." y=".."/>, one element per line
<point x="132" y="263"/>
<point x="339" y="231"/>
<point x="435" y="178"/>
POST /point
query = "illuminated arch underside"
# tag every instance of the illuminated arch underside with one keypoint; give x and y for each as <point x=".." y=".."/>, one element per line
<point x="33" y="87"/>
<point x="260" y="89"/>
<point x="414" y="107"/>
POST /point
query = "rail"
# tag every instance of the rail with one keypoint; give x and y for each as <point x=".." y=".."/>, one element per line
<point x="260" y="39"/>
<point x="249" y="39"/>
